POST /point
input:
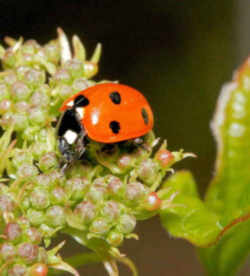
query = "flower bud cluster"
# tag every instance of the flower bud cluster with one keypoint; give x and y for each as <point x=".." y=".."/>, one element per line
<point x="98" y="198"/>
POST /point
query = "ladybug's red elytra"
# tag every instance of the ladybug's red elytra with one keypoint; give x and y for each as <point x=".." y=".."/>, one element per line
<point x="106" y="113"/>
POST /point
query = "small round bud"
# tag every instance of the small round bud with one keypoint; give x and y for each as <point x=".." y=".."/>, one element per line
<point x="115" y="238"/>
<point x="34" y="235"/>
<point x="52" y="51"/>
<point x="39" y="199"/>
<point x="39" y="269"/>
<point x="17" y="270"/>
<point x="152" y="202"/>
<point x="65" y="91"/>
<point x="99" y="226"/>
<point x="75" y="67"/>
<point x="7" y="250"/>
<point x="115" y="185"/>
<point x="4" y="93"/>
<point x="77" y="187"/>
<point x="48" y="162"/>
<point x="34" y="77"/>
<point x="5" y="106"/>
<point x="124" y="161"/>
<point x="39" y="99"/>
<point x="10" y="78"/>
<point x="35" y="217"/>
<point x="20" y="91"/>
<point x="6" y="204"/>
<point x="62" y="75"/>
<point x="20" y="120"/>
<point x="28" y="251"/>
<point x="56" y="216"/>
<point x="21" y="107"/>
<point x="110" y="210"/>
<point x="127" y="224"/>
<point x="58" y="196"/>
<point x="165" y="158"/>
<point x="80" y="84"/>
<point x="43" y="180"/>
<point x="86" y="211"/>
<point x="37" y="115"/>
<point x="27" y="170"/>
<point x="135" y="190"/>
<point x="148" y="171"/>
<point x="12" y="231"/>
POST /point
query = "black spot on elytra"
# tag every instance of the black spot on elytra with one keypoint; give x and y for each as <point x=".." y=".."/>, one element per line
<point x="115" y="126"/>
<point x="144" y="114"/>
<point x="115" y="97"/>
<point x="81" y="101"/>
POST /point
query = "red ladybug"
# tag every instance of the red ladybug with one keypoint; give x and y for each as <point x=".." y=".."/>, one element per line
<point x="106" y="113"/>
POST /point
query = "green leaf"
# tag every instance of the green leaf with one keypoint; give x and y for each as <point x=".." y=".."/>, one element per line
<point x="184" y="215"/>
<point x="229" y="192"/>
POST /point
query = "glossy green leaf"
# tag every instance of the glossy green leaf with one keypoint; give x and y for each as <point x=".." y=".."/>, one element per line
<point x="184" y="215"/>
<point x="229" y="192"/>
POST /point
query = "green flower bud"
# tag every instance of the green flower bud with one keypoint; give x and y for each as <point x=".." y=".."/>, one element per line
<point x="4" y="92"/>
<point x="80" y="84"/>
<point x="64" y="91"/>
<point x="20" y="91"/>
<point x="48" y="162"/>
<point x="115" y="238"/>
<point x="20" y="120"/>
<point x="20" y="157"/>
<point x="21" y="71"/>
<point x="39" y="99"/>
<point x="39" y="199"/>
<point x="30" y="47"/>
<point x="28" y="251"/>
<point x="33" y="235"/>
<point x="17" y="270"/>
<point x="148" y="171"/>
<point x="13" y="231"/>
<point x="110" y="210"/>
<point x="56" y="216"/>
<point x="58" y="196"/>
<point x="34" y="77"/>
<point x="115" y="185"/>
<point x="99" y="226"/>
<point x="7" y="250"/>
<point x="27" y="170"/>
<point x="5" y="106"/>
<point x="6" y="204"/>
<point x="10" y="78"/>
<point x="9" y="58"/>
<point x="35" y="217"/>
<point x="43" y="180"/>
<point x="90" y="69"/>
<point x="21" y="107"/>
<point x="127" y="223"/>
<point x="135" y="191"/>
<point x="37" y="116"/>
<point x="61" y="76"/>
<point x="76" y="188"/>
<point x="125" y="161"/>
<point x="75" y="67"/>
<point x="86" y="211"/>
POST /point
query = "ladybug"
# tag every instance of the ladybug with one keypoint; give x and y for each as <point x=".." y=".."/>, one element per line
<point x="106" y="113"/>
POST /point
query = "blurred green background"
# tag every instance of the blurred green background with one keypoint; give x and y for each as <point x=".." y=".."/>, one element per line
<point x="178" y="53"/>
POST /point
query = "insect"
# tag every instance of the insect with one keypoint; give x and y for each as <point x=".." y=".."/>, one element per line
<point x="106" y="113"/>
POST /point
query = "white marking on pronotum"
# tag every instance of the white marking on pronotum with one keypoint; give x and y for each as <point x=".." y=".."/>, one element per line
<point x="80" y="112"/>
<point x="70" y="136"/>
<point x="70" y="104"/>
